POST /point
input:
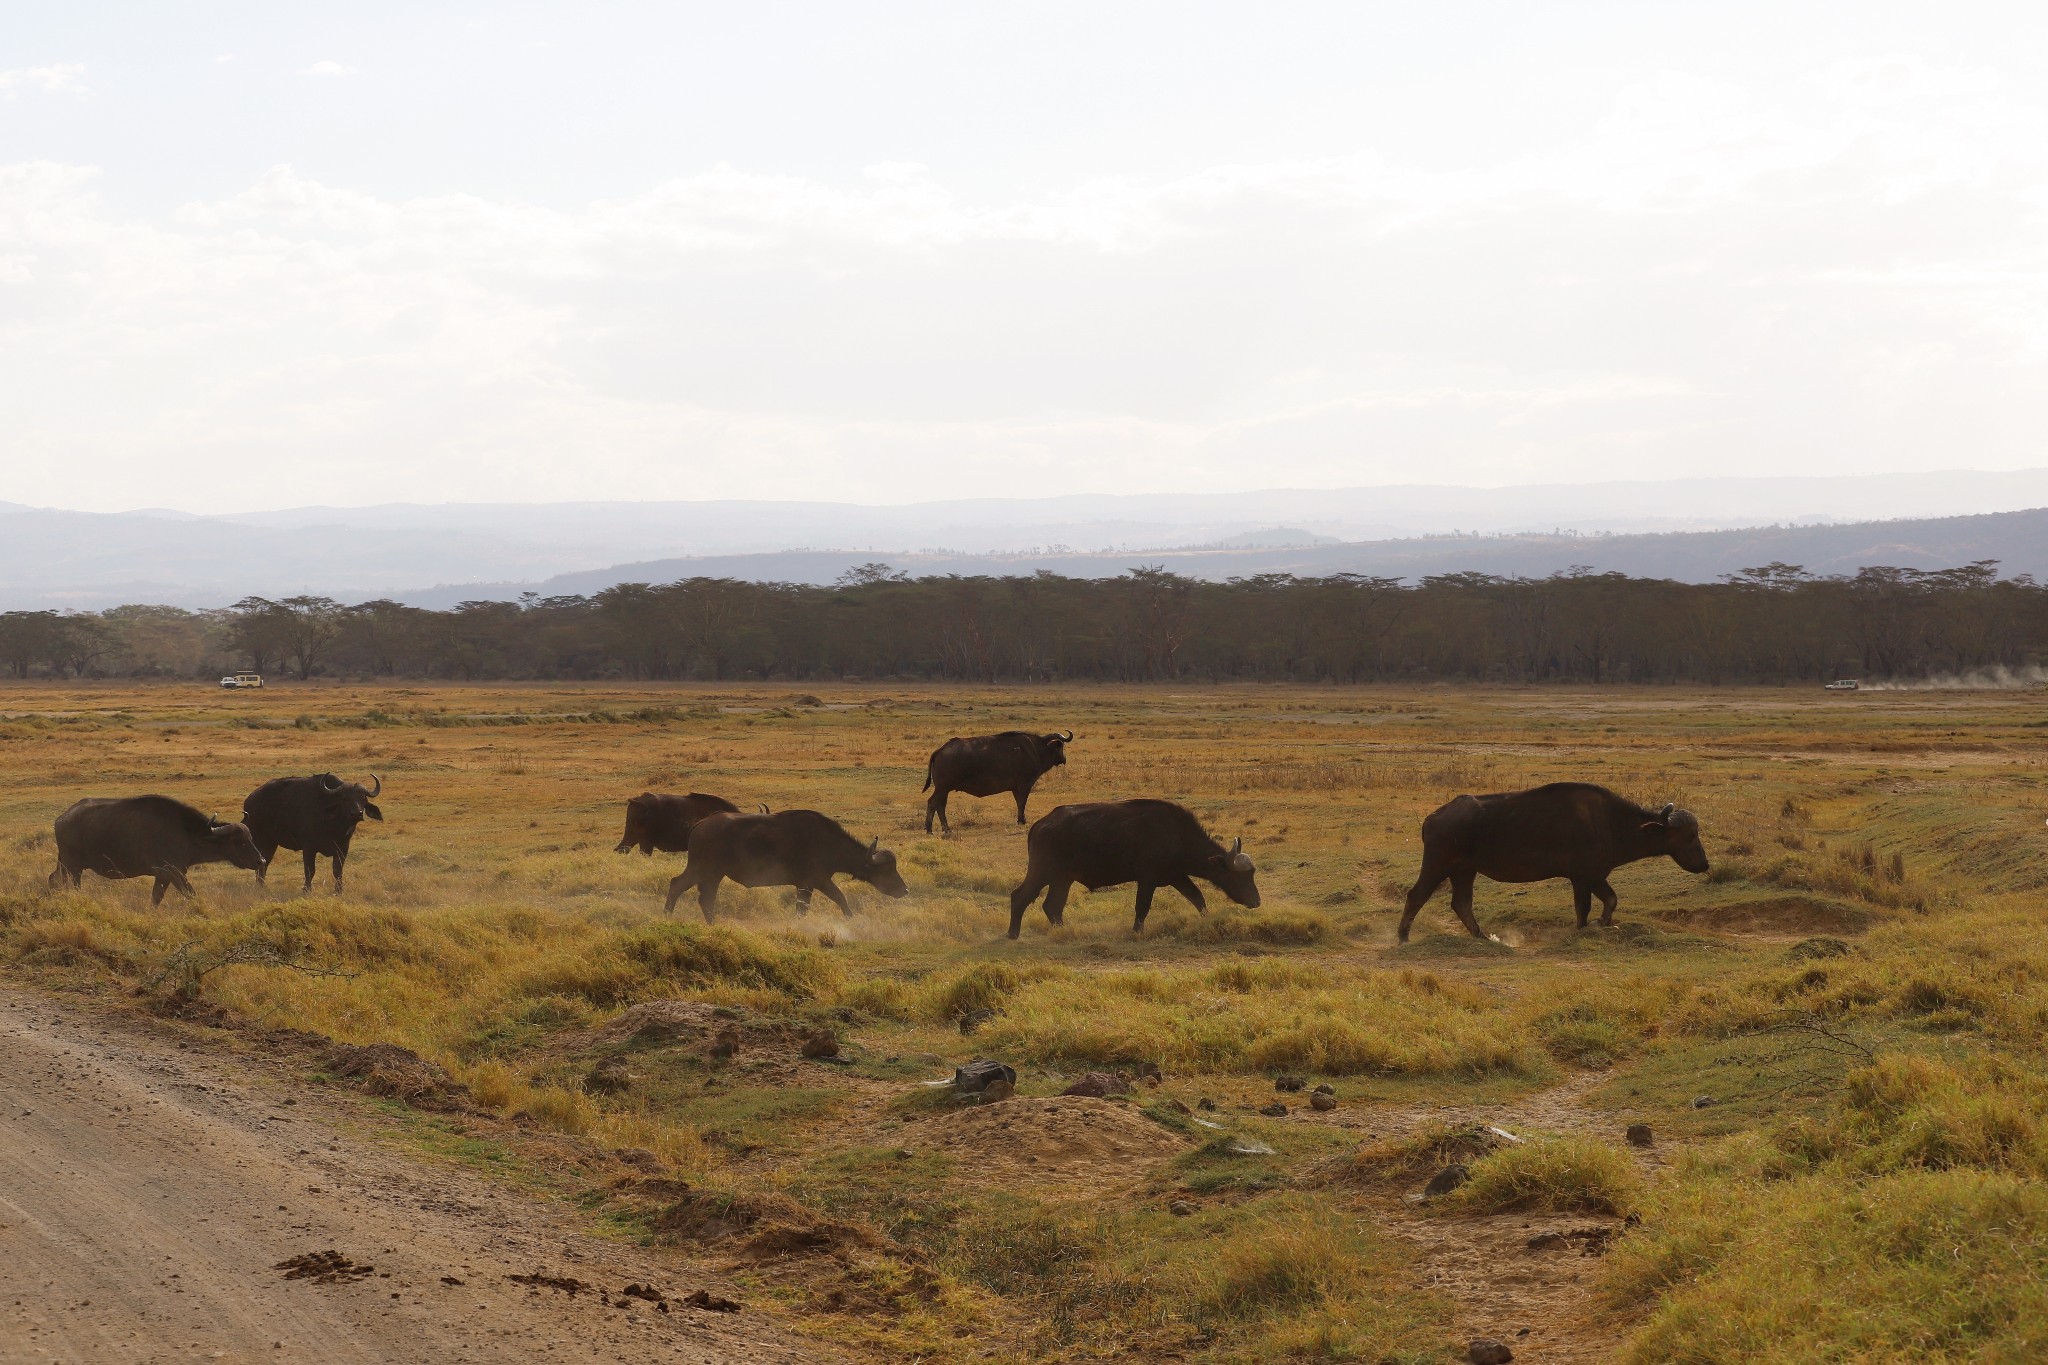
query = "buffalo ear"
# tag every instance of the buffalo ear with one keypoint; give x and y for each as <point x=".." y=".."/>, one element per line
<point x="370" y="809"/>
<point x="1655" y="824"/>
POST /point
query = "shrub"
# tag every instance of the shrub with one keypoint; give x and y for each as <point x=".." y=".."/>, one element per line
<point x="1555" y="1175"/>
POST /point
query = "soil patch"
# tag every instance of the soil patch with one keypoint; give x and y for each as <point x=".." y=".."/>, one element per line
<point x="397" y="1073"/>
<point x="1784" y="917"/>
<point x="1082" y="1145"/>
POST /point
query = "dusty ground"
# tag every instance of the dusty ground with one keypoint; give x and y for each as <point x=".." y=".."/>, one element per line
<point x="149" y="1191"/>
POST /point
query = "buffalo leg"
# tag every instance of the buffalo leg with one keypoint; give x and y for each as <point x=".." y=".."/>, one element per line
<point x="1020" y="901"/>
<point x="267" y="851"/>
<point x="165" y="880"/>
<point x="1056" y="902"/>
<point x="312" y="861"/>
<point x="1193" y="893"/>
<point x="936" y="805"/>
<point x="707" y="897"/>
<point x="803" y="900"/>
<point x="680" y="883"/>
<point x="1144" y="907"/>
<point x="1426" y="882"/>
<point x="1582" y="900"/>
<point x="1022" y="796"/>
<point x="1461" y="902"/>
<point x="335" y="864"/>
<point x="1608" y="900"/>
<point x="837" y="897"/>
<point x="65" y="876"/>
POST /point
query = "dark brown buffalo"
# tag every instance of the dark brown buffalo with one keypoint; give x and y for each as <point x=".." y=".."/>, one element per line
<point x="146" y="836"/>
<point x="986" y="764"/>
<point x="1108" y="843"/>
<point x="1566" y="829"/>
<point x="657" y="821"/>
<point x="798" y="848"/>
<point x="315" y="817"/>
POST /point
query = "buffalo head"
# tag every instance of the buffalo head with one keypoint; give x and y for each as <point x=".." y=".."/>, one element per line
<point x="879" y="871"/>
<point x="1677" y="833"/>
<point x="353" y="798"/>
<point x="1054" y="748"/>
<point x="232" y="843"/>
<point x="1233" y="874"/>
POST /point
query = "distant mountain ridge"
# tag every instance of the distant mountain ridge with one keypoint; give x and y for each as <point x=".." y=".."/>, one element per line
<point x="446" y="553"/>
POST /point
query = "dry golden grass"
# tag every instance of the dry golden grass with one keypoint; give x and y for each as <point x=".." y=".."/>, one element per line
<point x="1859" y="982"/>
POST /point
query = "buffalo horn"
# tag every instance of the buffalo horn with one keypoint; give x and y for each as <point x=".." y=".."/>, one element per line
<point x="329" y="782"/>
<point x="1238" y="861"/>
<point x="764" y="808"/>
<point x="1067" y="738"/>
<point x="377" y="789"/>
<point x="874" y="849"/>
<point x="1665" y="815"/>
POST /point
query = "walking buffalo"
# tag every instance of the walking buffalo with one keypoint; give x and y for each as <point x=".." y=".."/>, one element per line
<point x="1108" y="843"/>
<point x="314" y="816"/>
<point x="1566" y="829"/>
<point x="656" y="821"/>
<point x="798" y="848"/>
<point x="146" y="836"/>
<point x="986" y="764"/>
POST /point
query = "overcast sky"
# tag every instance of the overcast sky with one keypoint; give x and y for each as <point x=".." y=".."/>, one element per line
<point x="258" y="255"/>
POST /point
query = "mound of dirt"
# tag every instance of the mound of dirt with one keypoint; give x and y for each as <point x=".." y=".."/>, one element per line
<point x="1782" y="917"/>
<point x="1080" y="1144"/>
<point x="721" y="1031"/>
<point x="397" y="1072"/>
<point x="755" y="1228"/>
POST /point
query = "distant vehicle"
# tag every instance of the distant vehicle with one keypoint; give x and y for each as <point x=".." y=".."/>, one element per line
<point x="238" y="680"/>
<point x="1842" y="685"/>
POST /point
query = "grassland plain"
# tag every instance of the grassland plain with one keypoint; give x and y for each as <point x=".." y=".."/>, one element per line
<point x="1859" y="990"/>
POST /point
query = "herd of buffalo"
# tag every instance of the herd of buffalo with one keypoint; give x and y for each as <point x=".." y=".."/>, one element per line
<point x="1571" y="830"/>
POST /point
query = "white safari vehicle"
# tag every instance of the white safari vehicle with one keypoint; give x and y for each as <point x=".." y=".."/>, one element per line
<point x="1842" y="685"/>
<point x="239" y="680"/>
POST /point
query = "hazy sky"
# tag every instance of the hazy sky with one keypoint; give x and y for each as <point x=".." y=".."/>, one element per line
<point x="261" y="254"/>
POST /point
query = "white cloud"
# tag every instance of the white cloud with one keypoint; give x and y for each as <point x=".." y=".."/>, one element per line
<point x="64" y="78"/>
<point x="1712" y="278"/>
<point x="327" y="69"/>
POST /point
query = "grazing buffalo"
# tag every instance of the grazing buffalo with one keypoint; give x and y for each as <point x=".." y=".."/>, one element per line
<point x="986" y="764"/>
<point x="1565" y="829"/>
<point x="798" y="848"/>
<point x="1108" y="843"/>
<point x="146" y="836"/>
<point x="654" y="820"/>
<point x="313" y="816"/>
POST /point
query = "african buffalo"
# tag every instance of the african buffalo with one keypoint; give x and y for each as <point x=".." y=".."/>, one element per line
<point x="146" y="836"/>
<point x="1108" y="843"/>
<point x="986" y="764"/>
<point x="313" y="816"/>
<point x="656" y="821"/>
<point x="798" y="848"/>
<point x="1565" y="829"/>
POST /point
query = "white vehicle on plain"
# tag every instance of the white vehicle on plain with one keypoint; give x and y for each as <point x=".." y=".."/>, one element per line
<point x="234" y="681"/>
<point x="1842" y="685"/>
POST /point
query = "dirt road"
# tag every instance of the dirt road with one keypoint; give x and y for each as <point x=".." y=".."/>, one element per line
<point x="148" y="1193"/>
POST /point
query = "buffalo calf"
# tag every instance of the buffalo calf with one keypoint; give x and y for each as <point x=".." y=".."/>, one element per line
<point x="1108" y="843"/>
<point x="146" y="836"/>
<point x="1573" y="830"/>
<point x="798" y="848"/>
<point x="658" y="821"/>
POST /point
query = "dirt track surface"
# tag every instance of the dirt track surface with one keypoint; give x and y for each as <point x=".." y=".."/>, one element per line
<point x="148" y="1194"/>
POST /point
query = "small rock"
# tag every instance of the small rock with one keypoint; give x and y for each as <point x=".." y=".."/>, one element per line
<point x="1639" y="1135"/>
<point x="1275" y="1110"/>
<point x="725" y="1045"/>
<point x="640" y="1159"/>
<point x="1322" y="1101"/>
<point x="1099" y="1085"/>
<point x="820" y="1043"/>
<point x="711" y="1303"/>
<point x="1446" y="1180"/>
<point x="608" y="1077"/>
<point x="1148" y="1072"/>
<point x="974" y="1019"/>
<point x="1179" y="1107"/>
<point x="1180" y="1208"/>
<point x="1206" y="1105"/>
<point x="1288" y="1084"/>
<point x="1249" y="1147"/>
<point x="997" y="1090"/>
<point x="1545" y="1241"/>
<point x="981" y="1073"/>
<point x="1326" y="1089"/>
<point x="1702" y="1101"/>
<point x="1487" y="1351"/>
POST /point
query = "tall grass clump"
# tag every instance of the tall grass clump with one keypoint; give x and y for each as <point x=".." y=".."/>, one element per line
<point x="1552" y="1175"/>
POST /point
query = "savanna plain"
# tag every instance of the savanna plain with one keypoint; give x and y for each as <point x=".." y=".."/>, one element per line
<point x="1835" y="1037"/>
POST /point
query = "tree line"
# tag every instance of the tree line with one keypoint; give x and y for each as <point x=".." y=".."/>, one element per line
<point x="1773" y="624"/>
